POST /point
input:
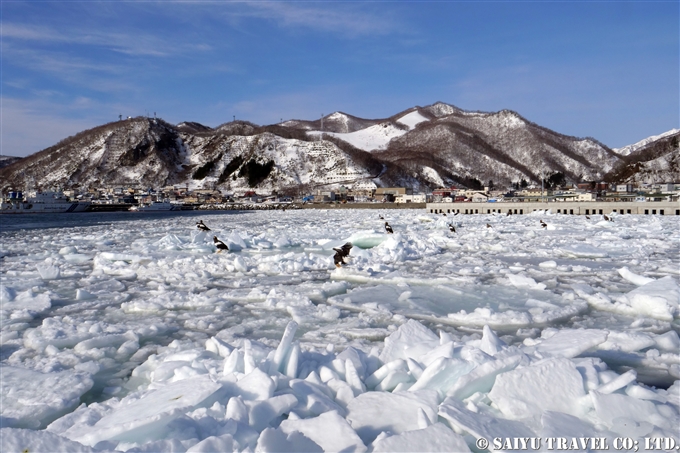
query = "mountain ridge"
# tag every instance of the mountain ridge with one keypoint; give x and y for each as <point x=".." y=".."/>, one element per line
<point x="419" y="147"/>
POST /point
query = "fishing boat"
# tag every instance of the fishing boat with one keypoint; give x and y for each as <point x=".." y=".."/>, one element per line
<point x="164" y="205"/>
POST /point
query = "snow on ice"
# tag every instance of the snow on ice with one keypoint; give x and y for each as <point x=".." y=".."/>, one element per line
<point x="133" y="334"/>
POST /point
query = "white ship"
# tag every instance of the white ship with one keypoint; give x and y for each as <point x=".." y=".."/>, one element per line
<point x="164" y="205"/>
<point x="40" y="203"/>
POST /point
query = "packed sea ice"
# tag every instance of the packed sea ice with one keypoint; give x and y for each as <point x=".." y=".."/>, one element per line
<point x="131" y="333"/>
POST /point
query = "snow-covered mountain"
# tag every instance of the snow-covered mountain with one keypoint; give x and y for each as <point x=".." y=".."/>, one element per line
<point x="654" y="159"/>
<point x="422" y="147"/>
<point x="152" y="153"/>
<point x="335" y="122"/>
<point x="627" y="150"/>
<point x="501" y="147"/>
<point x="376" y="136"/>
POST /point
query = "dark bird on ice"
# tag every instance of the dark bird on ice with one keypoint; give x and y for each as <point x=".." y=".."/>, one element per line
<point x="388" y="228"/>
<point x="341" y="253"/>
<point x="452" y="228"/>
<point x="444" y="214"/>
<point x="488" y="225"/>
<point x="588" y="217"/>
<point x="608" y="218"/>
<point x="543" y="224"/>
<point x="202" y="226"/>
<point x="219" y="244"/>
<point x="381" y="217"/>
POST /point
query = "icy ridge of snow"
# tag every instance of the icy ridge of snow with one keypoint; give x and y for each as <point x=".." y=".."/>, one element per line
<point x="626" y="150"/>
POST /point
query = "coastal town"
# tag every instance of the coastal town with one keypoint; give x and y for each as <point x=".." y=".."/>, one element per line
<point x="370" y="193"/>
<point x="363" y="194"/>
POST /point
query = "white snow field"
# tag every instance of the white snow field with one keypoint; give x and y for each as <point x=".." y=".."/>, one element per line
<point x="128" y="332"/>
<point x="371" y="138"/>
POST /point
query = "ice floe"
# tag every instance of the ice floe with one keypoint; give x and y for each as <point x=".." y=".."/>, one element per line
<point x="117" y="337"/>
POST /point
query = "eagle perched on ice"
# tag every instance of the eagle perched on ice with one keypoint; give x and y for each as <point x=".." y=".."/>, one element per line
<point x="341" y="253"/>
<point x="219" y="244"/>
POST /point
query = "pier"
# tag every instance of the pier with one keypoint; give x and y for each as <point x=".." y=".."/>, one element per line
<point x="559" y="207"/>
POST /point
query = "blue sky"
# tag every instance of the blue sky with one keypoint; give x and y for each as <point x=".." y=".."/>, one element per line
<point x="608" y="70"/>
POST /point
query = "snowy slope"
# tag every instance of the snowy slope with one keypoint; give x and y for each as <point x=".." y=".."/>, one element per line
<point x="431" y="174"/>
<point x="652" y="160"/>
<point x="125" y="152"/>
<point x="502" y="147"/>
<point x="626" y="150"/>
<point x="296" y="163"/>
<point x="412" y="119"/>
<point x="370" y="138"/>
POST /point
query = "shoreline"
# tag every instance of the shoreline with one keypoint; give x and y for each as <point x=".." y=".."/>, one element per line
<point x="574" y="208"/>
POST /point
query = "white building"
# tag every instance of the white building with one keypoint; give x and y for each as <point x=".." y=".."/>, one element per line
<point x="479" y="197"/>
<point x="415" y="198"/>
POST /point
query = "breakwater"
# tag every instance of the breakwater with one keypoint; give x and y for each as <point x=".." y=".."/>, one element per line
<point x="562" y="207"/>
